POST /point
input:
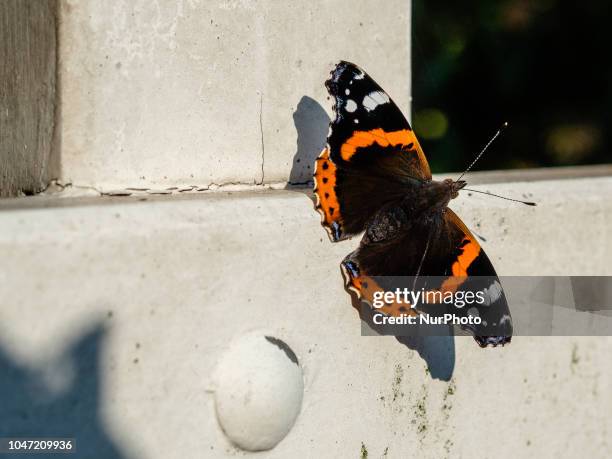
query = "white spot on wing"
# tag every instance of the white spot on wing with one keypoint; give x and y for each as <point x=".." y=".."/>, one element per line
<point x="356" y="121"/>
<point x="347" y="91"/>
<point x="505" y="318"/>
<point x="359" y="76"/>
<point x="374" y="99"/>
<point x="492" y="294"/>
<point x="350" y="106"/>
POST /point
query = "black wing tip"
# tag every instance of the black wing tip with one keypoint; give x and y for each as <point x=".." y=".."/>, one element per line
<point x="340" y="77"/>
<point x="343" y="65"/>
<point x="493" y="341"/>
<point x="343" y="70"/>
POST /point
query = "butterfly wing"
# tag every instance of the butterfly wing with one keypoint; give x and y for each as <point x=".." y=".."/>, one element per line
<point x="372" y="157"/>
<point x="444" y="255"/>
<point x="473" y="265"/>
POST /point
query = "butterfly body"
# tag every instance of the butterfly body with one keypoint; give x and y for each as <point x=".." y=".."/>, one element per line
<point x="373" y="178"/>
<point x="423" y="205"/>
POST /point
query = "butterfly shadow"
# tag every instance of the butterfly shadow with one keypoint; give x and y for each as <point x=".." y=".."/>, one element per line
<point x="58" y="399"/>
<point x="311" y="123"/>
<point x="437" y="351"/>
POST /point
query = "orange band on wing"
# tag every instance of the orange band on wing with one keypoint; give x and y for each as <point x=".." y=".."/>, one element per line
<point x="365" y="287"/>
<point x="471" y="250"/>
<point x="403" y="137"/>
<point x="324" y="187"/>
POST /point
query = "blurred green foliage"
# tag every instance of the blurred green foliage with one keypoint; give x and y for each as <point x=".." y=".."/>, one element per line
<point x="544" y="66"/>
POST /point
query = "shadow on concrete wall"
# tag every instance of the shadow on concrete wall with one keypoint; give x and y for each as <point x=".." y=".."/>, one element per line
<point x="62" y="400"/>
<point x="437" y="351"/>
<point x="311" y="123"/>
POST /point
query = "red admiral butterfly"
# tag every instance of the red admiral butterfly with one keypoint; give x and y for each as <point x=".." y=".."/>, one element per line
<point x="373" y="177"/>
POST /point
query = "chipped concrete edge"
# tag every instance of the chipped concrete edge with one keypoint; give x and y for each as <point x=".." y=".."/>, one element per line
<point x="67" y="189"/>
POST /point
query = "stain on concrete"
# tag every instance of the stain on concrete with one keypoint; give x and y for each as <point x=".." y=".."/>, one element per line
<point x="448" y="446"/>
<point x="575" y="359"/>
<point x="420" y="413"/>
<point x="447" y="399"/>
<point x="363" y="454"/>
<point x="396" y="386"/>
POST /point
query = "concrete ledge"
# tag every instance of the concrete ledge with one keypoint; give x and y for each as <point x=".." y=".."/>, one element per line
<point x="136" y="301"/>
<point x="537" y="174"/>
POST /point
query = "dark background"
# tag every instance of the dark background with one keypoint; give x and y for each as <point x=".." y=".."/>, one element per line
<point x="544" y="66"/>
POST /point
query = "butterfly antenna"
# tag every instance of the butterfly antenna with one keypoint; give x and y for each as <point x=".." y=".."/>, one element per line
<point x="495" y="136"/>
<point x="528" y="203"/>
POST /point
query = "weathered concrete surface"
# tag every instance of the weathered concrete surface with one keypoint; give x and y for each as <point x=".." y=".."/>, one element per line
<point x="27" y="95"/>
<point x="178" y="92"/>
<point x="120" y="309"/>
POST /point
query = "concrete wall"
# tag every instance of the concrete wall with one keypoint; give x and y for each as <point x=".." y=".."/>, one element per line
<point x="210" y="92"/>
<point x="116" y="312"/>
<point x="27" y="95"/>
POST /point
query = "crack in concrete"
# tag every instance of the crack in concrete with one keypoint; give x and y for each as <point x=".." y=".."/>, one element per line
<point x="64" y="189"/>
<point x="263" y="147"/>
